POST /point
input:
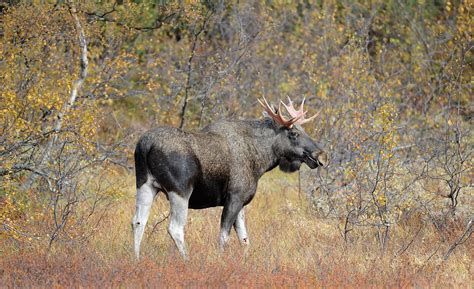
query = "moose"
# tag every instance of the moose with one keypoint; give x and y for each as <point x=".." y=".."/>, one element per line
<point x="218" y="166"/>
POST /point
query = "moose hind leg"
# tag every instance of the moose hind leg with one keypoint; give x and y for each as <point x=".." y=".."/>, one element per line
<point x="178" y="217"/>
<point x="145" y="195"/>
<point x="240" y="229"/>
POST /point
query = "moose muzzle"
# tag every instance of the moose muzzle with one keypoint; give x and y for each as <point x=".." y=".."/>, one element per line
<point x="321" y="157"/>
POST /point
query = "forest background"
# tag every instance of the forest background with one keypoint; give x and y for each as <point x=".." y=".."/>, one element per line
<point x="391" y="80"/>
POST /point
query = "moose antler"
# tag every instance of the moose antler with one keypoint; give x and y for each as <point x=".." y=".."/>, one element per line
<point x="299" y="114"/>
<point x="277" y="116"/>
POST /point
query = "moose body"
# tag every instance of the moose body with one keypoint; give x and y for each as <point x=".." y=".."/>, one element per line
<point x="218" y="166"/>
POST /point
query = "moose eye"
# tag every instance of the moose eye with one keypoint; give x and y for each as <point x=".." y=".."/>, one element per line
<point x="293" y="134"/>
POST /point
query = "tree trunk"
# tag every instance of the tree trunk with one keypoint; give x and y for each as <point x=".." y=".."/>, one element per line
<point x="72" y="96"/>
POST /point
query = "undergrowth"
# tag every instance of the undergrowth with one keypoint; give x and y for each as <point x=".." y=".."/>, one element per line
<point x="290" y="246"/>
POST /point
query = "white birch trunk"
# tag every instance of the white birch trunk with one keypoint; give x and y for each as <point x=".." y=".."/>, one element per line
<point x="72" y="96"/>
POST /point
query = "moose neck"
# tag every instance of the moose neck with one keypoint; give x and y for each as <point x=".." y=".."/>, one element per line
<point x="264" y="135"/>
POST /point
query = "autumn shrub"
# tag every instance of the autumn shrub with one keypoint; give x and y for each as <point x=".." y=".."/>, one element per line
<point x="391" y="82"/>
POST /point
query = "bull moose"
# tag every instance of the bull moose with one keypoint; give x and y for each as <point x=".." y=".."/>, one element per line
<point x="218" y="166"/>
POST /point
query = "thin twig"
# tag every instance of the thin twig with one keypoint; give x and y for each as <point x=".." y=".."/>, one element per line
<point x="462" y="239"/>
<point x="159" y="222"/>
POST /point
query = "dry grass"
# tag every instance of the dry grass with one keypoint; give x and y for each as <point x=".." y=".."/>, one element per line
<point x="290" y="247"/>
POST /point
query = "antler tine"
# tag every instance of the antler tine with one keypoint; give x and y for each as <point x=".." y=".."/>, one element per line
<point x="291" y="109"/>
<point x="267" y="107"/>
<point x="291" y="121"/>
<point x="267" y="104"/>
<point x="277" y="115"/>
<point x="261" y="103"/>
<point x="288" y="123"/>
<point x="290" y="102"/>
<point x="302" y="103"/>
<point x="298" y="114"/>
<point x="305" y="120"/>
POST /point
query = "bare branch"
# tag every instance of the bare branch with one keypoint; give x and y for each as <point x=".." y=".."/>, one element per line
<point x="462" y="239"/>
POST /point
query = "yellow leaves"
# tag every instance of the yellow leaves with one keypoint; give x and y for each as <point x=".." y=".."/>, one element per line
<point x="384" y="120"/>
<point x="13" y="207"/>
<point x="33" y="74"/>
<point x="350" y="174"/>
<point x="381" y="199"/>
<point x="323" y="90"/>
<point x="285" y="87"/>
<point x="39" y="68"/>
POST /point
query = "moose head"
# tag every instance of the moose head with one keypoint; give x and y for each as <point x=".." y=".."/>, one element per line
<point x="293" y="145"/>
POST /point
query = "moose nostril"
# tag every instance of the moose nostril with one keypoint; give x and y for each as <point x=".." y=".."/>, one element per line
<point x="321" y="157"/>
<point x="315" y="154"/>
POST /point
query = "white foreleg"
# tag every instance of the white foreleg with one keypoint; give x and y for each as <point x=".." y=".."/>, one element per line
<point x="240" y="229"/>
<point x="145" y="195"/>
<point x="223" y="239"/>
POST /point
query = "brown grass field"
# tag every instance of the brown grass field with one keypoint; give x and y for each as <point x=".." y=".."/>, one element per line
<point x="290" y="247"/>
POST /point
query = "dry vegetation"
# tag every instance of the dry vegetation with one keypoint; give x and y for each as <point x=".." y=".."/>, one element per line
<point x="393" y="83"/>
<point x="290" y="247"/>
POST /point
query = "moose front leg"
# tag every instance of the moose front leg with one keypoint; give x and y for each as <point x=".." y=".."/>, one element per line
<point x="228" y="218"/>
<point x="240" y="229"/>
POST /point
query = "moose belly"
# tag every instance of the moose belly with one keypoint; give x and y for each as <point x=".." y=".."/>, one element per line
<point x="206" y="195"/>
